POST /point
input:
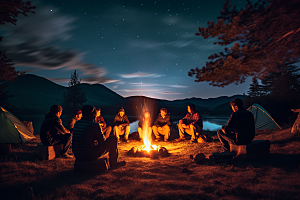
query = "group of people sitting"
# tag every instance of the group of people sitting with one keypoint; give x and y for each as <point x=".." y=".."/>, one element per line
<point x="91" y="137"/>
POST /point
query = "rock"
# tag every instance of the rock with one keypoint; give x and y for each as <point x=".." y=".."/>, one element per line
<point x="186" y="171"/>
<point x="199" y="157"/>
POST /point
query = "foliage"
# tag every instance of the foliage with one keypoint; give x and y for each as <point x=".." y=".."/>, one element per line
<point x="278" y="92"/>
<point x="75" y="96"/>
<point x="9" y="11"/>
<point x="262" y="36"/>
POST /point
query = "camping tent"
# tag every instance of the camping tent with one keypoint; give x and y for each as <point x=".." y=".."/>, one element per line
<point x="262" y="118"/>
<point x="12" y="130"/>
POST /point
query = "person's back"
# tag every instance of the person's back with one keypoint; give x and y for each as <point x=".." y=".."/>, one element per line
<point x="89" y="142"/>
<point x="84" y="134"/>
<point x="241" y="123"/>
<point x="52" y="131"/>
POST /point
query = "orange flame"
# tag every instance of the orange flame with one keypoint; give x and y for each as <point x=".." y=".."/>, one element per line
<point x="147" y="134"/>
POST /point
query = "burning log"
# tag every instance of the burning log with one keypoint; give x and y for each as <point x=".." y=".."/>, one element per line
<point x="154" y="152"/>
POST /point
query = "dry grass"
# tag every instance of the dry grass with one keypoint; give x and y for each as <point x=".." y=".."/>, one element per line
<point x="25" y="177"/>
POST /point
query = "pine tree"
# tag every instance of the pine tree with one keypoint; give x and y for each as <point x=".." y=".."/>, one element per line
<point x="75" y="96"/>
<point x="9" y="11"/>
<point x="255" y="89"/>
<point x="262" y="35"/>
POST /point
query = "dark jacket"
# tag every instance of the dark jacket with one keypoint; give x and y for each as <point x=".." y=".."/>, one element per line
<point x="160" y="121"/>
<point x="85" y="133"/>
<point x="141" y="122"/>
<point x="51" y="127"/>
<point x="123" y="121"/>
<point x="195" y="118"/>
<point x="241" y="123"/>
<point x="100" y="120"/>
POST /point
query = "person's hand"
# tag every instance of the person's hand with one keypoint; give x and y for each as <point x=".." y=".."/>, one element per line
<point x="160" y="128"/>
<point x="101" y="124"/>
<point x="67" y="131"/>
<point x="120" y="126"/>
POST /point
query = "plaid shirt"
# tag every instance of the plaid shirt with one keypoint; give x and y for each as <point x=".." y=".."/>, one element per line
<point x="192" y="119"/>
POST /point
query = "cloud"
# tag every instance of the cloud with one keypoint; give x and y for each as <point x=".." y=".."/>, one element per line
<point x="138" y="90"/>
<point x="34" y="43"/>
<point x="98" y="80"/>
<point x="140" y="74"/>
<point x="90" y="80"/>
<point x="178" y="86"/>
<point x="141" y="84"/>
<point x="168" y="92"/>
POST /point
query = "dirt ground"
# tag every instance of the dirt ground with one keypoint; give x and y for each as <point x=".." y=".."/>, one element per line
<point x="23" y="176"/>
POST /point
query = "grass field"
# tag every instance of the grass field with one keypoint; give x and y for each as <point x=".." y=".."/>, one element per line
<point x="278" y="177"/>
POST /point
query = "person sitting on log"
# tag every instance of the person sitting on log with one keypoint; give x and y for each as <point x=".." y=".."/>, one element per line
<point x="89" y="143"/>
<point x="100" y="120"/>
<point x="144" y="124"/>
<point x="53" y="132"/>
<point x="296" y="125"/>
<point x="121" y="125"/>
<point x="191" y="124"/>
<point x="78" y="115"/>
<point x="240" y="128"/>
<point x="162" y="125"/>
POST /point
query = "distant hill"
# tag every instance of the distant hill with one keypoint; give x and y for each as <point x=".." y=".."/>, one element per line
<point x="34" y="95"/>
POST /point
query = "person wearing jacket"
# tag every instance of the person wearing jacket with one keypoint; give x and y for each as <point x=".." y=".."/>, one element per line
<point x="144" y="128"/>
<point x="162" y="125"/>
<point x="191" y="124"/>
<point x="72" y="122"/>
<point x="89" y="143"/>
<point x="240" y="128"/>
<point x="53" y="132"/>
<point x="121" y="125"/>
<point x="100" y="120"/>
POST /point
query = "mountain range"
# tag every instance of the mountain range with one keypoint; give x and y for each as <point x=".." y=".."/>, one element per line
<point x="35" y="95"/>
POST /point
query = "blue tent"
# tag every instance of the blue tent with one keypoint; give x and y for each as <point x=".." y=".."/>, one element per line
<point x="262" y="118"/>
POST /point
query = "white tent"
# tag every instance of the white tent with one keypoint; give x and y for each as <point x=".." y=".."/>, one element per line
<point x="262" y="118"/>
<point x="12" y="130"/>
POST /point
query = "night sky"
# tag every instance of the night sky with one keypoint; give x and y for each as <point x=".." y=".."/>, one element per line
<point x="133" y="47"/>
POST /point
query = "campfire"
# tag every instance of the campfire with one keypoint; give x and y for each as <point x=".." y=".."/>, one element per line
<point x="148" y="150"/>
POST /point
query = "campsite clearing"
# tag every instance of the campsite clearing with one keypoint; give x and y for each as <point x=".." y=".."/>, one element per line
<point x="25" y="177"/>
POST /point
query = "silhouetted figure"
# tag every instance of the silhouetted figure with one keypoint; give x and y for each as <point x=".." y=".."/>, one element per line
<point x="121" y="125"/>
<point x="89" y="143"/>
<point x="240" y="128"/>
<point x="162" y="125"/>
<point x="53" y="132"/>
<point x="191" y="124"/>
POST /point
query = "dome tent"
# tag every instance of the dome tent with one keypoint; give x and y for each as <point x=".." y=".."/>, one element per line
<point x="12" y="130"/>
<point x="262" y="118"/>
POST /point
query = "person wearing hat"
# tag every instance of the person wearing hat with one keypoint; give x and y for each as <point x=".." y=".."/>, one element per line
<point x="100" y="120"/>
<point x="240" y="128"/>
<point x="162" y="125"/>
<point x="53" y="132"/>
<point x="89" y="143"/>
<point x="78" y="115"/>
<point x="121" y="125"/>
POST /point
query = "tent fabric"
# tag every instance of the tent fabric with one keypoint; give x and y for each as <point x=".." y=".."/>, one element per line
<point x="12" y="130"/>
<point x="262" y="118"/>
